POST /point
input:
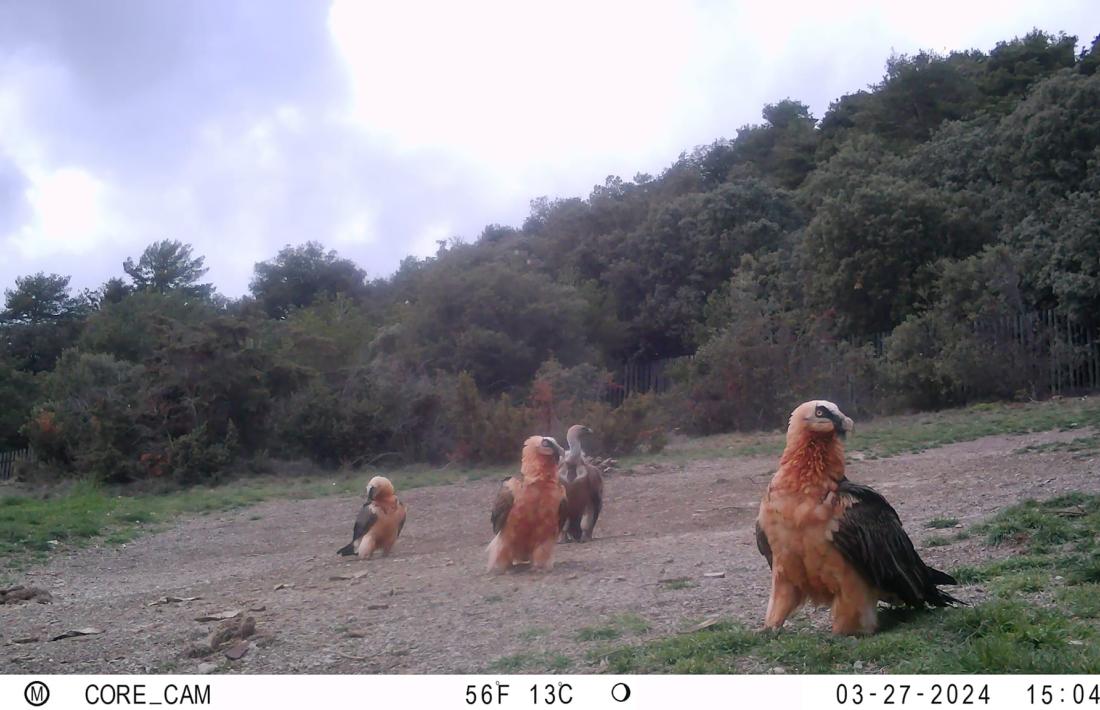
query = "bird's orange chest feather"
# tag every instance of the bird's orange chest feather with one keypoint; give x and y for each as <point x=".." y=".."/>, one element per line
<point x="534" y="513"/>
<point x="390" y="513"/>
<point x="800" y="513"/>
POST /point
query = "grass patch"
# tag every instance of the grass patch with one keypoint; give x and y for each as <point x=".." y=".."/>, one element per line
<point x="531" y="662"/>
<point x="1073" y="518"/>
<point x="1082" y="601"/>
<point x="890" y="436"/>
<point x="941" y="523"/>
<point x="938" y="541"/>
<point x="83" y="513"/>
<point x="1082" y="444"/>
<point x="895" y="435"/>
<point x="533" y="633"/>
<point x="616" y="627"/>
<point x="1018" y="631"/>
<point x="679" y="583"/>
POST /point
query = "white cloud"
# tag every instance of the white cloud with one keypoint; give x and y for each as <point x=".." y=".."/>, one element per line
<point x="68" y="214"/>
<point x="521" y="87"/>
<point x="380" y="128"/>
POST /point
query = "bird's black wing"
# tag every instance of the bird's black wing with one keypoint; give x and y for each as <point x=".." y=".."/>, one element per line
<point x="363" y="522"/>
<point x="762" y="544"/>
<point x="871" y="538"/>
<point x="502" y="505"/>
<point x="404" y="517"/>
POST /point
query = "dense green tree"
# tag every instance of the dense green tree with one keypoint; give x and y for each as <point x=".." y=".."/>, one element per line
<point x="880" y="257"/>
<point x="19" y="391"/>
<point x="40" y="319"/>
<point x="299" y="275"/>
<point x="131" y="329"/>
<point x="168" y="265"/>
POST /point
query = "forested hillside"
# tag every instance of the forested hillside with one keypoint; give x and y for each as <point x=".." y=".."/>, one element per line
<point x="858" y="255"/>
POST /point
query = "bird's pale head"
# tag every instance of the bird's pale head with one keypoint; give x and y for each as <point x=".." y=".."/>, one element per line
<point x="818" y="417"/>
<point x="541" y="453"/>
<point x="379" y="487"/>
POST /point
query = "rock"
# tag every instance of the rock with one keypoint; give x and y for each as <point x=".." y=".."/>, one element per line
<point x="237" y="651"/>
<point x="173" y="600"/>
<point x="714" y="575"/>
<point x="230" y="631"/>
<point x="197" y="650"/>
<point x="206" y="668"/>
<point x="219" y="615"/>
<point x="19" y="593"/>
<point x="778" y="670"/>
<point x="858" y="665"/>
<point x="87" y="631"/>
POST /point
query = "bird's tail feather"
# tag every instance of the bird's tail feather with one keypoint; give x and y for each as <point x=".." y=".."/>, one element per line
<point x="937" y="577"/>
<point x="938" y="597"/>
<point x="348" y="549"/>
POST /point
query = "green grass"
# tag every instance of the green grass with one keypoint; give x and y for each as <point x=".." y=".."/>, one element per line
<point x="82" y="513"/>
<point x="940" y="523"/>
<point x="1073" y="518"/>
<point x="1002" y="636"/>
<point x="535" y="632"/>
<point x="531" y="662"/>
<point x="1081" y="445"/>
<point x="616" y="627"/>
<point x="680" y="583"/>
<point x="894" y="435"/>
<point x="1038" y="601"/>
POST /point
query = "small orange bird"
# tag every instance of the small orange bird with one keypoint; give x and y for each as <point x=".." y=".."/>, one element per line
<point x="832" y="541"/>
<point x="529" y="509"/>
<point x="379" y="522"/>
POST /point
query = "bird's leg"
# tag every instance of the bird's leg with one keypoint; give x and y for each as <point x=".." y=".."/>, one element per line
<point x="854" y="609"/>
<point x="542" y="557"/>
<point x="594" y="515"/>
<point x="785" y="598"/>
<point x="575" y="531"/>
<point x="500" y="556"/>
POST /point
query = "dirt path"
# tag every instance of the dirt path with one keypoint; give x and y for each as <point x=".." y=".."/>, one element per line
<point x="443" y="613"/>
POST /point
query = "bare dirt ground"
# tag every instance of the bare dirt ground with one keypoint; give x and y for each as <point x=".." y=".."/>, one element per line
<point x="431" y="608"/>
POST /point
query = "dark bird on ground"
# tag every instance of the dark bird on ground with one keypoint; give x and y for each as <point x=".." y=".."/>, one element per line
<point x="583" y="488"/>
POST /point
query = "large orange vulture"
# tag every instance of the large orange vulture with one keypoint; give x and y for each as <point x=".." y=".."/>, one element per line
<point x="835" y="542"/>
<point x="528" y="510"/>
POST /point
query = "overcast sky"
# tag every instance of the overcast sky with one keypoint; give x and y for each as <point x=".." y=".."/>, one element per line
<point x="377" y="128"/>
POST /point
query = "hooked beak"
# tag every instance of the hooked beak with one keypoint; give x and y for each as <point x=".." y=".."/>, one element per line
<point x="555" y="448"/>
<point x="370" y="494"/>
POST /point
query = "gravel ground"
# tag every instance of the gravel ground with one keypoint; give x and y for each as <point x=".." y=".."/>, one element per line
<point x="431" y="608"/>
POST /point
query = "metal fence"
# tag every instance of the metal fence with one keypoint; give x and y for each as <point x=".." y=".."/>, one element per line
<point x="641" y="378"/>
<point x="1049" y="352"/>
<point x="8" y="459"/>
